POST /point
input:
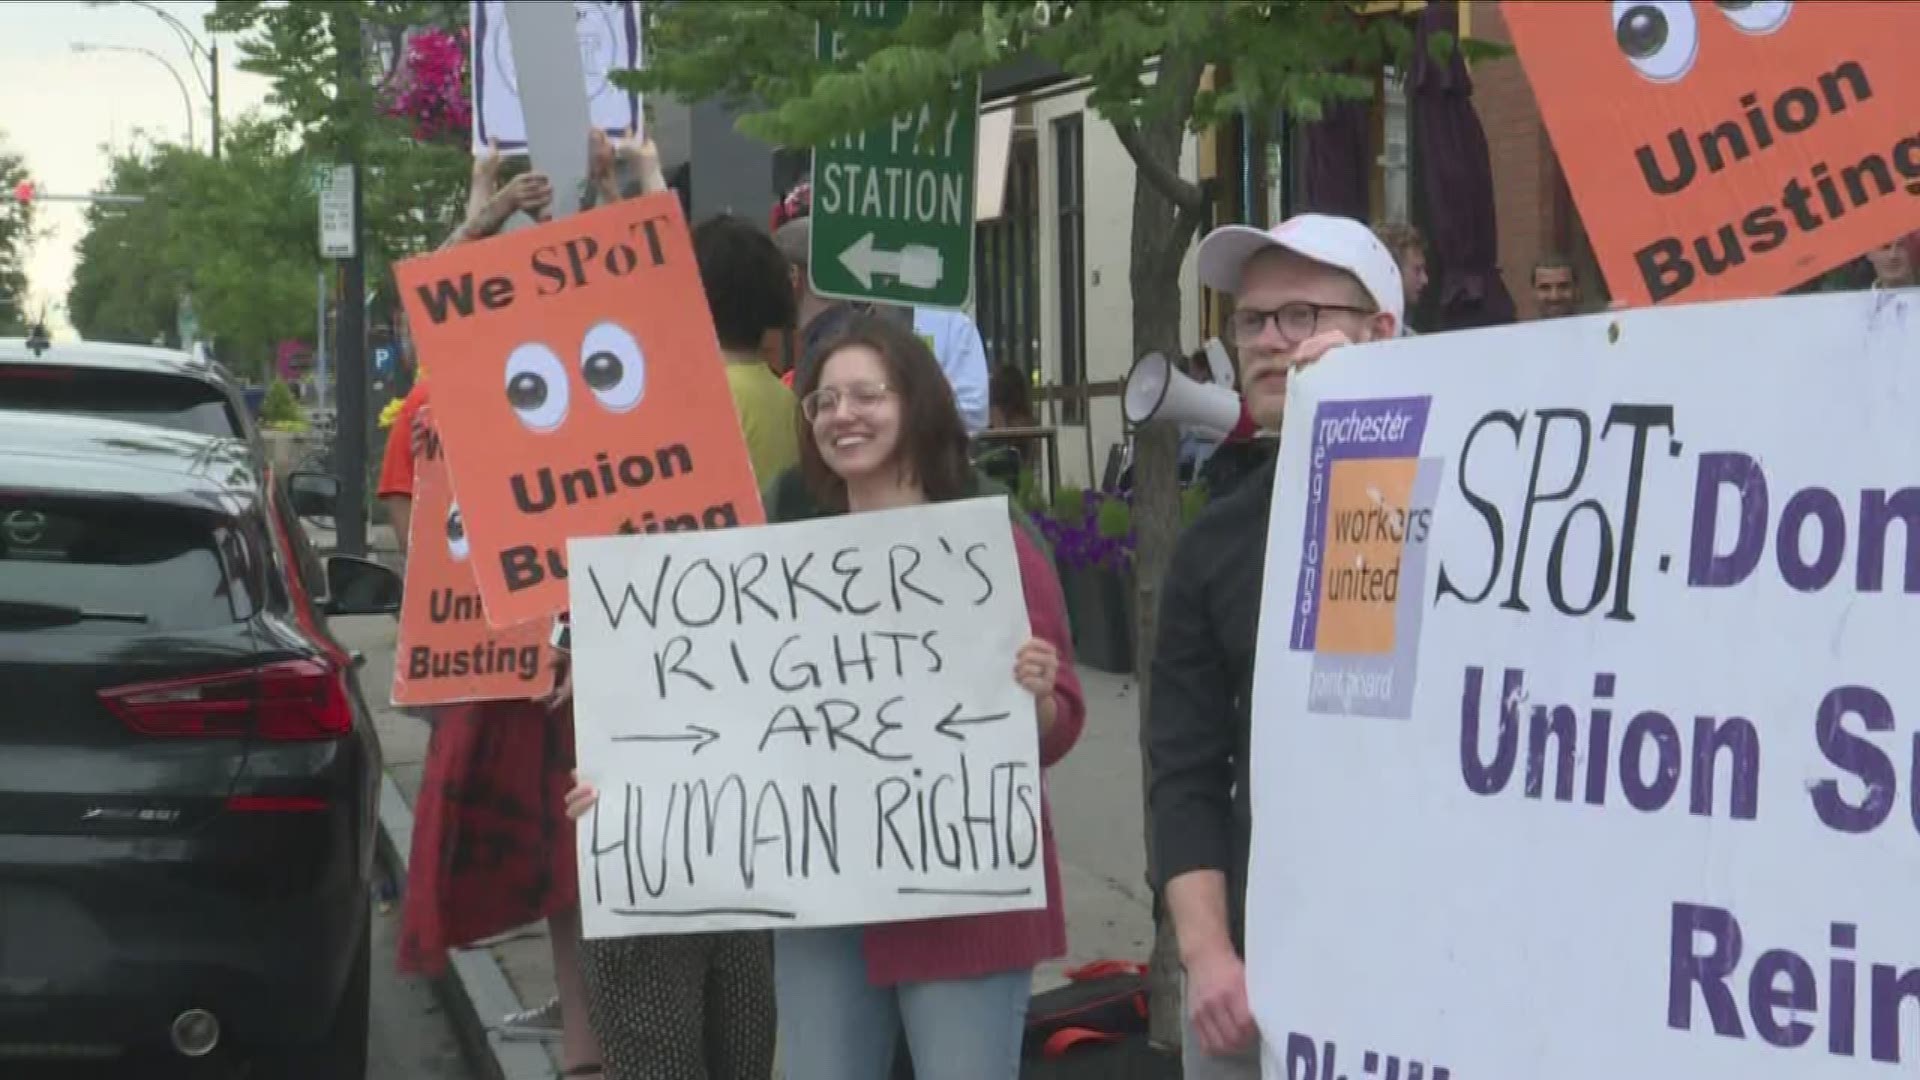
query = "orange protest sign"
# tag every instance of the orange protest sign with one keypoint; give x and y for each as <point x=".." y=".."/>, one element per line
<point x="447" y="653"/>
<point x="1728" y="149"/>
<point x="580" y="392"/>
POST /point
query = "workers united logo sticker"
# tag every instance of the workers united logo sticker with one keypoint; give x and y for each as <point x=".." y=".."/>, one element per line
<point x="1363" y="561"/>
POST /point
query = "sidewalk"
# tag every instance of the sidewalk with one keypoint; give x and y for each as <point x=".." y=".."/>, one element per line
<point x="1094" y="792"/>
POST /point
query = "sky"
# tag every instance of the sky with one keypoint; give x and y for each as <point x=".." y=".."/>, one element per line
<point x="62" y="110"/>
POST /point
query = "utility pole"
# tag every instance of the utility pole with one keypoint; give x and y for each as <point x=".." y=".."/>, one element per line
<point x="320" y="343"/>
<point x="196" y="51"/>
<point x="213" y="93"/>
<point x="186" y="98"/>
<point x="350" y="427"/>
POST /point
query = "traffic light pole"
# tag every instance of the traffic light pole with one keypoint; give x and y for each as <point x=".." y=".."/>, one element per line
<point x="27" y="193"/>
<point x="350" y="421"/>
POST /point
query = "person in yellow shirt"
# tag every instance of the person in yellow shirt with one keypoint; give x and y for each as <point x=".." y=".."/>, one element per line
<point x="754" y="311"/>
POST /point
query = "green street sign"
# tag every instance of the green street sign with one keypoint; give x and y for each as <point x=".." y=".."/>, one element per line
<point x="892" y="216"/>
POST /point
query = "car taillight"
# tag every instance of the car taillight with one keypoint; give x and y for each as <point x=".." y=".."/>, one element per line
<point x="41" y="373"/>
<point x="275" y="804"/>
<point x="293" y="700"/>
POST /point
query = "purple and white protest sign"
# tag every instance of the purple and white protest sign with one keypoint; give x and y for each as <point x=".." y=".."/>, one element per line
<point x="1587" y="721"/>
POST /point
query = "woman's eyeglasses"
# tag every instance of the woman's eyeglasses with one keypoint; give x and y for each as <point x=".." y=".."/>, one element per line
<point x="863" y="397"/>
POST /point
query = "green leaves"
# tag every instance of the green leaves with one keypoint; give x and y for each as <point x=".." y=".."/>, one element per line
<point x="413" y="195"/>
<point x="238" y="235"/>
<point x="1294" y="55"/>
<point x="280" y="406"/>
<point x="16" y="236"/>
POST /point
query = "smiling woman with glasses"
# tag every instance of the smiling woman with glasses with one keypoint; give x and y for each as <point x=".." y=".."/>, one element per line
<point x="861" y="398"/>
<point x="882" y="431"/>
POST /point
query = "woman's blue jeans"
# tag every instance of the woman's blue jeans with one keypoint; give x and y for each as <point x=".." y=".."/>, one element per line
<point x="835" y="1025"/>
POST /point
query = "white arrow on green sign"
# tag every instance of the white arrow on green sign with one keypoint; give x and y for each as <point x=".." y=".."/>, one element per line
<point x="892" y="216"/>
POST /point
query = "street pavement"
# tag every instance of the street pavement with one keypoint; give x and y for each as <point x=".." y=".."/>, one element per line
<point x="1094" y="793"/>
<point x="411" y="1037"/>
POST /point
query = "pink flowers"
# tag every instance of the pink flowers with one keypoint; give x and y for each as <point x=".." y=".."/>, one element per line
<point x="431" y="87"/>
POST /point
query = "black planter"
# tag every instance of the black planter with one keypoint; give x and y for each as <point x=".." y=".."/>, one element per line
<point x="1100" y="609"/>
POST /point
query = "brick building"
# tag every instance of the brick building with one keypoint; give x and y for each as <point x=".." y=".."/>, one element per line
<point x="1535" y="206"/>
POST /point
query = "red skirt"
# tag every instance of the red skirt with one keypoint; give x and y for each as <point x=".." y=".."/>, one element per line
<point x="492" y="846"/>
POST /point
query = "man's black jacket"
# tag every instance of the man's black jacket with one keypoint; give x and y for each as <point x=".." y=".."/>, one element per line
<point x="1200" y="712"/>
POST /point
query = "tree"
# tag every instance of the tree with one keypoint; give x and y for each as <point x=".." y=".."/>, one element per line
<point x="16" y="236"/>
<point x="237" y="235"/>
<point x="279" y="406"/>
<point x="413" y="193"/>
<point x="1146" y="64"/>
<point x="125" y="287"/>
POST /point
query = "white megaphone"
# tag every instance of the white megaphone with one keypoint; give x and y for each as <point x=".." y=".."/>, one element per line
<point x="1156" y="390"/>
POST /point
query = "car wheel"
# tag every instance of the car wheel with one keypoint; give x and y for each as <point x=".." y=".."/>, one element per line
<point x="341" y="1054"/>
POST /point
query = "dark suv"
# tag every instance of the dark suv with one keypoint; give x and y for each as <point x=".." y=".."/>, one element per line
<point x="162" y="387"/>
<point x="136" y="383"/>
<point x="188" y="770"/>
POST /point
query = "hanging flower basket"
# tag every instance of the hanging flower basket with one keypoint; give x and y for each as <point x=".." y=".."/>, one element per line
<point x="430" y="90"/>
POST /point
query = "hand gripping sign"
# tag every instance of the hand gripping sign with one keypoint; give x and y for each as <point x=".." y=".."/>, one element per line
<point x="1724" y="149"/>
<point x="447" y="653"/>
<point x="579" y="391"/>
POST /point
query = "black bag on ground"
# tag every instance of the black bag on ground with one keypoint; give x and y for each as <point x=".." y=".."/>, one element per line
<point x="1132" y="1058"/>
<point x="1102" y="1002"/>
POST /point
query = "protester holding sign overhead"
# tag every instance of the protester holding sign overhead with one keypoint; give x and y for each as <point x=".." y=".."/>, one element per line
<point x="490" y="853"/>
<point x="679" y="1005"/>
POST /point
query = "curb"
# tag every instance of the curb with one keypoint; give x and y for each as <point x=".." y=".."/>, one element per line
<point x="474" y="991"/>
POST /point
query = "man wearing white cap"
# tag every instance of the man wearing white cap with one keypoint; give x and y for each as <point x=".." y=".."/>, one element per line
<point x="1310" y="284"/>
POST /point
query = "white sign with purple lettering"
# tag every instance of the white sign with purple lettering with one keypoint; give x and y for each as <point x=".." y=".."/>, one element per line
<point x="1587" y="721"/>
<point x="813" y="724"/>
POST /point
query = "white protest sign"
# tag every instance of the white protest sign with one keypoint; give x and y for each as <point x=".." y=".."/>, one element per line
<point x="812" y="724"/>
<point x="609" y="36"/>
<point x="1587" y="721"/>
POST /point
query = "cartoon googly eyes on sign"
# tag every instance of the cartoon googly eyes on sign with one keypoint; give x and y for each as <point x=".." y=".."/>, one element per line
<point x="457" y="544"/>
<point x="537" y="387"/>
<point x="1756" y="16"/>
<point x="1658" y="37"/>
<point x="613" y="367"/>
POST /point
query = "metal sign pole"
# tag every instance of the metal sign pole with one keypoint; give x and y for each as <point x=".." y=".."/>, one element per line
<point x="553" y="95"/>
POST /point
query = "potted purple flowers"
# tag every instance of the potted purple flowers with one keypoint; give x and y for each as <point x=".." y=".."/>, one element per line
<point x="1091" y="534"/>
<point x="1092" y="537"/>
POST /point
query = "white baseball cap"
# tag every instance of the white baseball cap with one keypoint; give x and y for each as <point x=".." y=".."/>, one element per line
<point x="1339" y="242"/>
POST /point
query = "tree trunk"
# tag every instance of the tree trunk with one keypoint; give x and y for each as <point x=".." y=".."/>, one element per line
<point x="1163" y="226"/>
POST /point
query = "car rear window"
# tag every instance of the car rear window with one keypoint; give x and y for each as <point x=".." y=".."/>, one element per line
<point x="119" y="567"/>
<point x="136" y="397"/>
